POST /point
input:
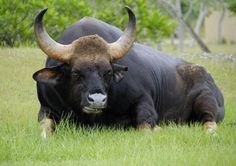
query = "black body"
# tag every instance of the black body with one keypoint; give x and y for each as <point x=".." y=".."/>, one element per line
<point x="156" y="88"/>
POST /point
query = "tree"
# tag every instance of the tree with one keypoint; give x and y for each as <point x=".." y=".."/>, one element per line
<point x="16" y="21"/>
<point x="203" y="10"/>
<point x="178" y="11"/>
<point x="221" y="19"/>
<point x="207" y="7"/>
<point x="151" y="23"/>
<point x="12" y="23"/>
<point x="174" y="12"/>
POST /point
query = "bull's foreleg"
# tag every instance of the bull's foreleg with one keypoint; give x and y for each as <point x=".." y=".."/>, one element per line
<point x="146" y="116"/>
<point x="47" y="124"/>
<point x="207" y="110"/>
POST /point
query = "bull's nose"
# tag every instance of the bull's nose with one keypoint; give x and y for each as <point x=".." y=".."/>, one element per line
<point x="97" y="99"/>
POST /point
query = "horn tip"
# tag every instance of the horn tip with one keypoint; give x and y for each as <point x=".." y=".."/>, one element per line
<point x="43" y="11"/>
<point x="40" y="14"/>
<point x="128" y="8"/>
<point x="131" y="14"/>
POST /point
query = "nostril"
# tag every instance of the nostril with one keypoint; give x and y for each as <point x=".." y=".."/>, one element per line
<point x="90" y="99"/>
<point x="105" y="98"/>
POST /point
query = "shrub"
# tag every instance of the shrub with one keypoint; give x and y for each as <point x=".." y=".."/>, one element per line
<point x="16" y="21"/>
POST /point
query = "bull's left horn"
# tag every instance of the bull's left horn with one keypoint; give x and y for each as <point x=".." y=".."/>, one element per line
<point x="119" y="48"/>
<point x="53" y="49"/>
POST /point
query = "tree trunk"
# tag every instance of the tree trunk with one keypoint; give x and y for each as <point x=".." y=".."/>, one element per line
<point x="197" y="39"/>
<point x="190" y="9"/>
<point x="180" y="28"/>
<point x="202" y="13"/>
<point x="169" y="7"/>
<point x="220" y="26"/>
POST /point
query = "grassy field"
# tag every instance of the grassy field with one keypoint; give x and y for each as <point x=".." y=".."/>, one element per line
<point x="20" y="142"/>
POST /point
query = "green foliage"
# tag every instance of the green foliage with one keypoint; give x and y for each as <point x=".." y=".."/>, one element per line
<point x="159" y="26"/>
<point x="211" y="6"/>
<point x="150" y="21"/>
<point x="106" y="11"/>
<point x="17" y="17"/>
<point x="13" y="22"/>
<point x="232" y="5"/>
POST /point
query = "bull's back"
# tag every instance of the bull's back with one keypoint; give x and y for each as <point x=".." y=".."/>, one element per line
<point x="90" y="26"/>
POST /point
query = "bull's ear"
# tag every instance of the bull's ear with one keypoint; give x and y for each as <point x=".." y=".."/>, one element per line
<point x="118" y="72"/>
<point x="51" y="75"/>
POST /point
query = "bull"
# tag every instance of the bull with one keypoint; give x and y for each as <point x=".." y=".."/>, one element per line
<point x="97" y="75"/>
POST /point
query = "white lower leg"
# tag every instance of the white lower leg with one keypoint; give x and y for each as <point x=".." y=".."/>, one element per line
<point x="47" y="126"/>
<point x="210" y="127"/>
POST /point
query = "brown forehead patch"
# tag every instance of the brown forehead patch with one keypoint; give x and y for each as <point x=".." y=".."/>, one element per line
<point x="89" y="50"/>
<point x="81" y="62"/>
<point x="91" y="46"/>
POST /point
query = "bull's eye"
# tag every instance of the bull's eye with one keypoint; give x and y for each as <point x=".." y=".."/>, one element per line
<point x="76" y="75"/>
<point x="108" y="74"/>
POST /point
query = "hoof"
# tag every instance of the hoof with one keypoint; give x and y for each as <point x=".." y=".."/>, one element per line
<point x="210" y="127"/>
<point x="144" y="126"/>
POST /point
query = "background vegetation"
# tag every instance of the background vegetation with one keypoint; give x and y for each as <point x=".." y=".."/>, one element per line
<point x="17" y="18"/>
<point x="232" y="5"/>
<point x="155" y="20"/>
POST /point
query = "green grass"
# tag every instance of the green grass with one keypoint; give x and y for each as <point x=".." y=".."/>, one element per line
<point x="215" y="48"/>
<point x="21" y="144"/>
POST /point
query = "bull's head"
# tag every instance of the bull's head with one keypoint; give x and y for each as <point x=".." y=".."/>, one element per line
<point x="87" y="63"/>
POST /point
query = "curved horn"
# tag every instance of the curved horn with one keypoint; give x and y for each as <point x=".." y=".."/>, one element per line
<point x="50" y="47"/>
<point x="119" y="48"/>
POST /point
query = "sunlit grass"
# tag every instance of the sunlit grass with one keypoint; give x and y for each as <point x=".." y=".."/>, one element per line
<point x="20" y="142"/>
<point x="229" y="49"/>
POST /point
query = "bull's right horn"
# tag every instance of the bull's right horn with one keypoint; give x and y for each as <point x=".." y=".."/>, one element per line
<point x="50" y="47"/>
<point x="120" y="47"/>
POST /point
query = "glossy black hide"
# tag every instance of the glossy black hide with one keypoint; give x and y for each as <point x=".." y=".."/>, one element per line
<point x="156" y="88"/>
